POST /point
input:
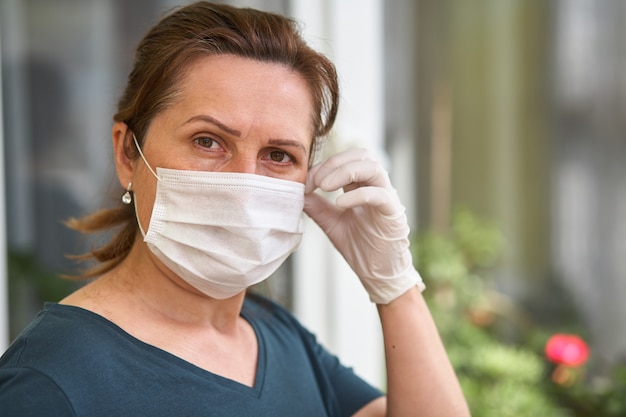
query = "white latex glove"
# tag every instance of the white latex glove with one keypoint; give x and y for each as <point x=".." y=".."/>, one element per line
<point x="367" y="223"/>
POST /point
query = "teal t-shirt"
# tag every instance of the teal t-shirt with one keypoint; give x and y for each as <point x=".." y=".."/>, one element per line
<point x="72" y="362"/>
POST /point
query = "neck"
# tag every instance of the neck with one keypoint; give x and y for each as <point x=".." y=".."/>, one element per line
<point x="142" y="287"/>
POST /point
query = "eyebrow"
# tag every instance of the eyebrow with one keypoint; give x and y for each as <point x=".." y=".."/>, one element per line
<point x="235" y="132"/>
<point x="212" y="120"/>
<point x="288" y="142"/>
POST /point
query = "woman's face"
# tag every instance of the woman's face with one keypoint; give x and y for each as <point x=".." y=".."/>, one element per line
<point x="230" y="114"/>
<point x="234" y="114"/>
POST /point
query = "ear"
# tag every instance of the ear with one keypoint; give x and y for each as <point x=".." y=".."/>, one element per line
<point x="123" y="165"/>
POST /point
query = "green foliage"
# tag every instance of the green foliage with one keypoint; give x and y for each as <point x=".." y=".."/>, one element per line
<point x="25" y="270"/>
<point x="30" y="285"/>
<point x="498" y="379"/>
<point x="594" y="396"/>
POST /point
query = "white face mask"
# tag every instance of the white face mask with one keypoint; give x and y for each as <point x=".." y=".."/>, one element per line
<point x="223" y="232"/>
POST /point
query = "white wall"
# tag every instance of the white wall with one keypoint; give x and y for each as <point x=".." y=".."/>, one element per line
<point x="4" y="286"/>
<point x="328" y="297"/>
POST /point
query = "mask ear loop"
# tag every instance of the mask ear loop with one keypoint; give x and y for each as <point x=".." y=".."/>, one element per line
<point x="144" y="158"/>
<point x="153" y="173"/>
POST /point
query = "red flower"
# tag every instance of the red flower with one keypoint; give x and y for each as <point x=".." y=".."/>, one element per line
<point x="567" y="349"/>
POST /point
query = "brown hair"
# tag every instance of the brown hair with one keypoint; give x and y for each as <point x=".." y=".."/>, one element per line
<point x="161" y="59"/>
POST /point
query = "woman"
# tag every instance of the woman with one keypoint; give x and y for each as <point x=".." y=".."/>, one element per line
<point x="212" y="141"/>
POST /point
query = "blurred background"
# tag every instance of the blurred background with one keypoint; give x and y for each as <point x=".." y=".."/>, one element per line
<point x="501" y="122"/>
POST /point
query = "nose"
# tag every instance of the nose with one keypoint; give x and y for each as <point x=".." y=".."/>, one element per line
<point x="241" y="164"/>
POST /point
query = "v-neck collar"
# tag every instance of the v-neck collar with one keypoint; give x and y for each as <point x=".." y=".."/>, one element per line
<point x="261" y="363"/>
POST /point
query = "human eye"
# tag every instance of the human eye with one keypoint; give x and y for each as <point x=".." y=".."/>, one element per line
<point x="280" y="156"/>
<point x="207" y="142"/>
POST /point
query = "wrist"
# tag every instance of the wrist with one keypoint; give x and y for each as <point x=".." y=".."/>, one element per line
<point x="386" y="290"/>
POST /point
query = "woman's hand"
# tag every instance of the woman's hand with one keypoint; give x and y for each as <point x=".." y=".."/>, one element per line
<point x="367" y="223"/>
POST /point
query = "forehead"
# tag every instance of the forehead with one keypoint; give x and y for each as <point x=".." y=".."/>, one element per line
<point x="233" y="83"/>
<point x="224" y="68"/>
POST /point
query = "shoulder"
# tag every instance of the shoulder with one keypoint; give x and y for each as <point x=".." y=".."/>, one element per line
<point x="29" y="345"/>
<point x="27" y="392"/>
<point x="30" y="366"/>
<point x="60" y="339"/>
<point x="294" y="347"/>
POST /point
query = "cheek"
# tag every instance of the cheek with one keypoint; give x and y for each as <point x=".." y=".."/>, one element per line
<point x="301" y="177"/>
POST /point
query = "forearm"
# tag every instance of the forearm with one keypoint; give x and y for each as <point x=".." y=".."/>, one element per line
<point x="420" y="378"/>
<point x="368" y="225"/>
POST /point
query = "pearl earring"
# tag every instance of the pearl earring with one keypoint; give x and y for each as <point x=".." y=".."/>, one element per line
<point x="127" y="198"/>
